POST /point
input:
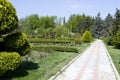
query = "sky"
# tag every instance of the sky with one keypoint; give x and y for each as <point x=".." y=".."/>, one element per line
<point x="64" y="8"/>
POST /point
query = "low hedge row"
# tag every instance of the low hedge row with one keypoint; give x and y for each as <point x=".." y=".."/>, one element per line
<point x="39" y="40"/>
<point x="56" y="48"/>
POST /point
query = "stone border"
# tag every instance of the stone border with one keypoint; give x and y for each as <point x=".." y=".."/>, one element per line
<point x="112" y="64"/>
<point x="65" y="67"/>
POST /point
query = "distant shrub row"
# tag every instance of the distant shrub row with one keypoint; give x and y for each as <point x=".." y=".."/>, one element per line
<point x="56" y="48"/>
<point x="59" y="40"/>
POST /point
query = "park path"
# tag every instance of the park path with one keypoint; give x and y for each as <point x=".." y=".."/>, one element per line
<point x="93" y="64"/>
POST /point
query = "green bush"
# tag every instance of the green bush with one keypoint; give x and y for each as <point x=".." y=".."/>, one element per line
<point x="24" y="49"/>
<point x="116" y="40"/>
<point x="57" y="48"/>
<point x="108" y="40"/>
<point x="86" y="37"/>
<point x="8" y="17"/>
<point x="17" y="42"/>
<point x="9" y="61"/>
<point x="11" y="42"/>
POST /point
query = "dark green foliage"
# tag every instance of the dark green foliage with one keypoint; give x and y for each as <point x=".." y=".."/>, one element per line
<point x="17" y="42"/>
<point x="9" y="61"/>
<point x="24" y="49"/>
<point x="2" y="46"/>
<point x="116" y="40"/>
<point x="8" y="17"/>
<point x="116" y="22"/>
<point x="57" y="48"/>
<point x="86" y="37"/>
<point x="108" y="40"/>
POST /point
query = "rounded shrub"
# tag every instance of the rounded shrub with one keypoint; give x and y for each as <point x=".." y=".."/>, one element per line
<point x="15" y="40"/>
<point x="9" y="61"/>
<point x="86" y="37"/>
<point x="8" y="17"/>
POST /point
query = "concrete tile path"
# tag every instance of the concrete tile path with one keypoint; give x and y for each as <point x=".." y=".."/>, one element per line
<point x="93" y="64"/>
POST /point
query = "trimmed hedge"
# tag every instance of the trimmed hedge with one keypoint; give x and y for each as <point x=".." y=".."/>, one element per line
<point x="56" y="48"/>
<point x="9" y="61"/>
<point x="17" y="42"/>
<point x="39" y="40"/>
<point x="59" y="40"/>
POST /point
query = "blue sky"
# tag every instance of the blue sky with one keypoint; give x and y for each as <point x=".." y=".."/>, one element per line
<point x="65" y="8"/>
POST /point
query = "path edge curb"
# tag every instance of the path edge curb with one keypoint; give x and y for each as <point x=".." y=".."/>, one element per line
<point x="112" y="64"/>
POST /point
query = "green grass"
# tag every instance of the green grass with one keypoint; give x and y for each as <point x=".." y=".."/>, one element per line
<point x="45" y="67"/>
<point x="115" y="55"/>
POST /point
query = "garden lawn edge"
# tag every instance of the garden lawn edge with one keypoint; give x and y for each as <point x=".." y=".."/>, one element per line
<point x="112" y="64"/>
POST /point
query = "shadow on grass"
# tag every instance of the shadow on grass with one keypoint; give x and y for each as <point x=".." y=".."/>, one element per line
<point x="21" y="71"/>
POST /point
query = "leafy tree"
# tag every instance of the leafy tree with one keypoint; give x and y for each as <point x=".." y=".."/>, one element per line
<point x="30" y="23"/>
<point x="60" y="31"/>
<point x="86" y="37"/>
<point x="47" y="22"/>
<point x="79" y="23"/>
<point x="14" y="44"/>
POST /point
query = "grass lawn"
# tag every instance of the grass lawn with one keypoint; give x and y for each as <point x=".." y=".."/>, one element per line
<point x="115" y="55"/>
<point x="43" y="68"/>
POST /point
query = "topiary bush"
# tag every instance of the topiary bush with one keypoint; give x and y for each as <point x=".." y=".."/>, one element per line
<point x="86" y="37"/>
<point x="17" y="42"/>
<point x="116" y="40"/>
<point x="9" y="61"/>
<point x="13" y="41"/>
<point x="8" y="17"/>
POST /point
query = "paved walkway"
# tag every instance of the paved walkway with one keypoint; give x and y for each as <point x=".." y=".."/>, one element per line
<point x="93" y="64"/>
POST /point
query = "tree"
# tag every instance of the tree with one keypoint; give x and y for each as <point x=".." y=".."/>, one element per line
<point x="116" y="22"/>
<point x="86" y="37"/>
<point x="14" y="44"/>
<point x="98" y="26"/>
<point x="108" y="22"/>
<point x="30" y="24"/>
<point x="60" y="31"/>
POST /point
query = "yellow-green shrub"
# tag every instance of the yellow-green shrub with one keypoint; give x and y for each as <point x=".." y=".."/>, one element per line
<point x="86" y="37"/>
<point x="9" y="61"/>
